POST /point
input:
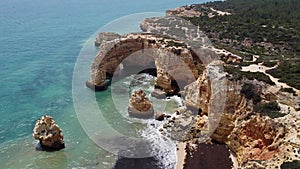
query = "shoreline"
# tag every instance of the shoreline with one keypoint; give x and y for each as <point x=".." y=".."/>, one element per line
<point x="181" y="154"/>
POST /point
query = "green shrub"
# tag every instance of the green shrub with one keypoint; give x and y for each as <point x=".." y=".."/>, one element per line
<point x="291" y="165"/>
<point x="270" y="64"/>
<point x="248" y="90"/>
<point x="288" y="72"/>
<point x="271" y="109"/>
<point x="289" y="90"/>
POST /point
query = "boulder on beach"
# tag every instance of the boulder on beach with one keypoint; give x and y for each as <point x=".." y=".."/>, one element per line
<point x="140" y="106"/>
<point x="157" y="93"/>
<point x="160" y="116"/>
<point x="48" y="133"/>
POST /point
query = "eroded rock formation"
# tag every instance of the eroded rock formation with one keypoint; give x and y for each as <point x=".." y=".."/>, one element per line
<point x="140" y="106"/>
<point x="257" y="141"/>
<point x="173" y="60"/>
<point x="159" y="116"/>
<point x="198" y="94"/>
<point x="236" y="106"/>
<point x="258" y="138"/>
<point x="106" y="36"/>
<point x="48" y="133"/>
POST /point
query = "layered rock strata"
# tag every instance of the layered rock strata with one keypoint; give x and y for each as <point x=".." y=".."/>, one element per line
<point x="198" y="94"/>
<point x="140" y="106"/>
<point x="48" y="133"/>
<point x="258" y="138"/>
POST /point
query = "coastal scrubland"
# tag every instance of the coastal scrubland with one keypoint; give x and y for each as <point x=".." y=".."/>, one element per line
<point x="269" y="29"/>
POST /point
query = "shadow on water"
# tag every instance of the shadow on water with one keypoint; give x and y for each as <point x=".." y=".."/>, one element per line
<point x="137" y="163"/>
<point x="137" y="158"/>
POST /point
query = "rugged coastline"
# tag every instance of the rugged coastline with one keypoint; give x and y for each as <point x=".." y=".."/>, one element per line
<point x="259" y="124"/>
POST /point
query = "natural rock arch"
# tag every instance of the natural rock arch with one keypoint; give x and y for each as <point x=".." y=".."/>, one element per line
<point x="173" y="59"/>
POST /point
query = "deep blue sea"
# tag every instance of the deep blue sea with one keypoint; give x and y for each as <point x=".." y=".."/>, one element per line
<point x="39" y="45"/>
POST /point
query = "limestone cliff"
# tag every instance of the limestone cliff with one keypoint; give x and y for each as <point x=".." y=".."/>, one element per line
<point x="198" y="94"/>
<point x="236" y="106"/>
<point x="105" y="36"/>
<point x="172" y="58"/>
<point x="215" y="108"/>
<point x="250" y="136"/>
<point x="258" y="138"/>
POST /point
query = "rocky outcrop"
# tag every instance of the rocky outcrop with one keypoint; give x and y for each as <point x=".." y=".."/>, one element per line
<point x="157" y="93"/>
<point x="257" y="141"/>
<point x="140" y="106"/>
<point x="198" y="94"/>
<point x="287" y="147"/>
<point x="173" y="60"/>
<point x="236" y="107"/>
<point x="185" y="11"/>
<point x="106" y="36"/>
<point x="258" y="138"/>
<point x="48" y="133"/>
<point x="159" y="116"/>
<point x="289" y="99"/>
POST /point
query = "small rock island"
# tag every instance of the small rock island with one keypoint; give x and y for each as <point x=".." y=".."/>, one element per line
<point x="49" y="134"/>
<point x="140" y="106"/>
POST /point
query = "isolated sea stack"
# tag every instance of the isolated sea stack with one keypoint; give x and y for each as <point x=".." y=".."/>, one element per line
<point x="140" y="106"/>
<point x="48" y="133"/>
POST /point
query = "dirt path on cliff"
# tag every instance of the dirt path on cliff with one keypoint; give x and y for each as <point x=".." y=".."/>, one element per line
<point x="261" y="68"/>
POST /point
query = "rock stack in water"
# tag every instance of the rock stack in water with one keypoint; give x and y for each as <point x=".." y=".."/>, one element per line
<point x="48" y="133"/>
<point x="140" y="106"/>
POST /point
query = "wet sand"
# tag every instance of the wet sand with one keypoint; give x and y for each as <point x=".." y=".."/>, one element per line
<point x="181" y="153"/>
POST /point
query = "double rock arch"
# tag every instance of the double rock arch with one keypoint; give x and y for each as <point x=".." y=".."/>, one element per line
<point x="173" y="60"/>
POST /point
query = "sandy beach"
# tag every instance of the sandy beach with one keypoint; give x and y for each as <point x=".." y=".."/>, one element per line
<point x="181" y="153"/>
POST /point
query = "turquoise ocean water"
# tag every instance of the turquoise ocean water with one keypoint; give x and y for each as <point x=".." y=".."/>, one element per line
<point x="39" y="45"/>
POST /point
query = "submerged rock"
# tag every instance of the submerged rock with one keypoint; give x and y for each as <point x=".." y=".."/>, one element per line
<point x="48" y="133"/>
<point x="157" y="93"/>
<point x="140" y="106"/>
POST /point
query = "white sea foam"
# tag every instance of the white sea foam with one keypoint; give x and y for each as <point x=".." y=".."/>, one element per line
<point x="178" y="100"/>
<point x="164" y="149"/>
